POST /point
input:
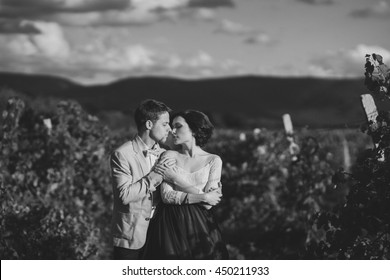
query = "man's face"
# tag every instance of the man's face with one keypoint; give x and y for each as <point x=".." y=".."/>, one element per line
<point x="160" y="129"/>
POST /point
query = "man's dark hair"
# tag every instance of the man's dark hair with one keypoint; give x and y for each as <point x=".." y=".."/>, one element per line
<point x="199" y="124"/>
<point x="149" y="109"/>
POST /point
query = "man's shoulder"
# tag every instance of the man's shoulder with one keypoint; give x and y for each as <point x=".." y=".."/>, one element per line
<point x="126" y="147"/>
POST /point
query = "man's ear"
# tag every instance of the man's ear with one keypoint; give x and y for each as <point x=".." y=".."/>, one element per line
<point x="149" y="124"/>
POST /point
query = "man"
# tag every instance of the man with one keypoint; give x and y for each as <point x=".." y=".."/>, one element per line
<point x="136" y="174"/>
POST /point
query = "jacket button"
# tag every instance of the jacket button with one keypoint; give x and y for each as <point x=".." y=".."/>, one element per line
<point x="147" y="219"/>
<point x="150" y="198"/>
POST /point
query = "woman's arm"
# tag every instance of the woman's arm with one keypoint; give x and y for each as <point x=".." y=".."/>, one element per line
<point x="214" y="180"/>
<point x="171" y="196"/>
<point x="176" y="190"/>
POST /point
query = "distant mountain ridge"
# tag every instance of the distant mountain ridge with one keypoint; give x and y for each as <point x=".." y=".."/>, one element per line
<point x="309" y="101"/>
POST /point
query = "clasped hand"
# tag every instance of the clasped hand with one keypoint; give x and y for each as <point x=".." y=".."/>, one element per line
<point x="166" y="167"/>
<point x="213" y="197"/>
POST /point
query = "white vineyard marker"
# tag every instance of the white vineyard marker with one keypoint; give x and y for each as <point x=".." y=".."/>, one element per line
<point x="371" y="114"/>
<point x="288" y="127"/>
<point x="369" y="107"/>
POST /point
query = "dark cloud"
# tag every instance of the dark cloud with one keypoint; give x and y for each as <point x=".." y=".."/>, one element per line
<point x="260" y="39"/>
<point x="378" y="10"/>
<point x="211" y="3"/>
<point x="109" y="12"/>
<point x="36" y="8"/>
<point x="317" y="2"/>
<point x="17" y="26"/>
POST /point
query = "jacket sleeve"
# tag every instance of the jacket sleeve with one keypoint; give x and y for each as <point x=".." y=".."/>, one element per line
<point x="123" y="180"/>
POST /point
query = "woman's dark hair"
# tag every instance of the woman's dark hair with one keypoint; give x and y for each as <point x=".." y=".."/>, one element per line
<point x="149" y="109"/>
<point x="199" y="124"/>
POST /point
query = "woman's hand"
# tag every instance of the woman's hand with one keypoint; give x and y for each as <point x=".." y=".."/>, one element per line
<point x="213" y="197"/>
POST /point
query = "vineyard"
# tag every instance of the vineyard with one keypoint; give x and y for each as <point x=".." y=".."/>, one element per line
<point x="329" y="201"/>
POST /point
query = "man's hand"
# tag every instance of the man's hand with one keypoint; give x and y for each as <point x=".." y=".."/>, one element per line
<point x="170" y="175"/>
<point x="165" y="167"/>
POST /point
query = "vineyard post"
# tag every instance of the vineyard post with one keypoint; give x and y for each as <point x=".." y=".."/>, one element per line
<point x="371" y="115"/>
<point x="288" y="127"/>
<point x="347" y="155"/>
<point x="370" y="109"/>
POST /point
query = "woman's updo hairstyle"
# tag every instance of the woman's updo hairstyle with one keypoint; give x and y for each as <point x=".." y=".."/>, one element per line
<point x="199" y="124"/>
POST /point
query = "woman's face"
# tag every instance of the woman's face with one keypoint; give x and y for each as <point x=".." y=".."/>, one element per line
<point x="181" y="131"/>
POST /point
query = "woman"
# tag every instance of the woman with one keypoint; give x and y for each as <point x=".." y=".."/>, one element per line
<point x="184" y="230"/>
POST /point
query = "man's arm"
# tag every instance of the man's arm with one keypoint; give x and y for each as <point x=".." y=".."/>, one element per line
<point x="122" y="177"/>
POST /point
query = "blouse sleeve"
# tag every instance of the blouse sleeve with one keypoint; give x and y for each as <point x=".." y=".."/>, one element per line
<point x="214" y="175"/>
<point x="169" y="195"/>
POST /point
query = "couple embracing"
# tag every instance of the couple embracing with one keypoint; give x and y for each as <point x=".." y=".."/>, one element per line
<point x="162" y="196"/>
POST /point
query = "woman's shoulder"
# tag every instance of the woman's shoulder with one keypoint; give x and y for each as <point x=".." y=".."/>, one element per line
<point x="213" y="158"/>
<point x="170" y="154"/>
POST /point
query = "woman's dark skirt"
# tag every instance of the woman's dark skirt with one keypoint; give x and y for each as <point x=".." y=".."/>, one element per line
<point x="184" y="232"/>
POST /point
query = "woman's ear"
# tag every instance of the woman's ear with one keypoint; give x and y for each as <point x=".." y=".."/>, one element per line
<point x="149" y="124"/>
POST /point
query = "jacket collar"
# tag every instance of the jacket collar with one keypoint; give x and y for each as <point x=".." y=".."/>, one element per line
<point x="140" y="146"/>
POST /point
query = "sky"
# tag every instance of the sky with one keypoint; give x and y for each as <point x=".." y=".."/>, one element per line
<point x="101" y="41"/>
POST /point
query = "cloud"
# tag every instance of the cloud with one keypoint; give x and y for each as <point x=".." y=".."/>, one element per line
<point x="109" y="18"/>
<point x="203" y="65"/>
<point x="317" y="2"/>
<point x="201" y="14"/>
<point x="233" y="28"/>
<point x="17" y="26"/>
<point x="379" y="10"/>
<point x="138" y="56"/>
<point x="337" y="64"/>
<point x="260" y="39"/>
<point x="211" y="3"/>
<point x="129" y="17"/>
<point x="102" y="56"/>
<point x="111" y="13"/>
<point x="49" y="41"/>
<point x="345" y="63"/>
<point x="202" y="59"/>
<point x="158" y="4"/>
<point x="40" y="7"/>
<point x="252" y="35"/>
<point x="92" y="12"/>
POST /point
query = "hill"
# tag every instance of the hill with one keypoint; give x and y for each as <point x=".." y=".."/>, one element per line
<point x="232" y="101"/>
